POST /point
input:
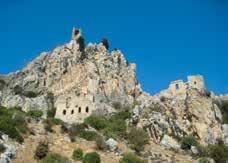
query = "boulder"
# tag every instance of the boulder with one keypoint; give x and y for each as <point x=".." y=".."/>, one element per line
<point x="111" y="144"/>
<point x="194" y="150"/>
<point x="169" y="142"/>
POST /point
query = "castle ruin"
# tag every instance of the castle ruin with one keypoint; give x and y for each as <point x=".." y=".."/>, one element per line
<point x="179" y="87"/>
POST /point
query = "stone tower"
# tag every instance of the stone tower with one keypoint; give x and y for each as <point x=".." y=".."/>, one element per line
<point x="196" y="81"/>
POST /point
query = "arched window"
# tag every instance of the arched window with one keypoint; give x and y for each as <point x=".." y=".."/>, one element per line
<point x="72" y="111"/>
<point x="79" y="110"/>
<point x="87" y="109"/>
<point x="64" y="112"/>
<point x="177" y="87"/>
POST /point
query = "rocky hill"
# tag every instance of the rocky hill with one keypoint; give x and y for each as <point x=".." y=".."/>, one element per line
<point x="82" y="81"/>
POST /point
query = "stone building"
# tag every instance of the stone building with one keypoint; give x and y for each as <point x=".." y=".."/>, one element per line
<point x="179" y="87"/>
<point x="74" y="109"/>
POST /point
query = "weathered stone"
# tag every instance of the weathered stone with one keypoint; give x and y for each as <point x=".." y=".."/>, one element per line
<point x="111" y="144"/>
<point x="194" y="150"/>
<point x="169" y="142"/>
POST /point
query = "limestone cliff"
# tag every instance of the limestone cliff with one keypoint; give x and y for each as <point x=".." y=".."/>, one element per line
<point x="101" y="77"/>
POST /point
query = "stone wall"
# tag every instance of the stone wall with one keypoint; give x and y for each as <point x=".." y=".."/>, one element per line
<point x="74" y="109"/>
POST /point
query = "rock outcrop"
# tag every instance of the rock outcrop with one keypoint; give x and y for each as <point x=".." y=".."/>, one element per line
<point x="98" y="79"/>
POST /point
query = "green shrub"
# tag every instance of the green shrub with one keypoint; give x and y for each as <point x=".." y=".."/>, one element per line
<point x="76" y="129"/>
<point x="116" y="128"/>
<point x="123" y="115"/>
<point x="92" y="158"/>
<point x="2" y="148"/>
<point x="88" y="135"/>
<point x="41" y="150"/>
<point x="187" y="142"/>
<point x="56" y="121"/>
<point x="138" y="138"/>
<point x="30" y="94"/>
<point x="224" y="110"/>
<point x="51" y="113"/>
<point x="97" y="122"/>
<point x="77" y="154"/>
<point x="55" y="158"/>
<point x="12" y="123"/>
<point x="131" y="158"/>
<point x="81" y="43"/>
<point x="204" y="160"/>
<point x="7" y="127"/>
<point x="218" y="152"/>
<point x="35" y="113"/>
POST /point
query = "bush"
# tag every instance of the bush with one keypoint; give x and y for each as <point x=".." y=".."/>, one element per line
<point x="12" y="123"/>
<point x="51" y="113"/>
<point x="81" y="43"/>
<point x="56" y="121"/>
<point x="88" y="135"/>
<point x="130" y="158"/>
<point x="30" y="94"/>
<point x="55" y="158"/>
<point x="2" y="148"/>
<point x="7" y="127"/>
<point x="77" y="154"/>
<point x="97" y="122"/>
<point x="218" y="152"/>
<point x="114" y="126"/>
<point x="187" y="142"/>
<point x="138" y="138"/>
<point x="101" y="145"/>
<point x="41" y="151"/>
<point x="35" y="114"/>
<point x="224" y="110"/>
<point x="105" y="43"/>
<point x="92" y="158"/>
<point x="76" y="129"/>
<point x="204" y="160"/>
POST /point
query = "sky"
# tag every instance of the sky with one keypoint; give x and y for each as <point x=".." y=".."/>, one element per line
<point x="167" y="39"/>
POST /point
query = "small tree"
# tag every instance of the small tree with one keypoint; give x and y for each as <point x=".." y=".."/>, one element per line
<point x="92" y="158"/>
<point x="138" y="138"/>
<point x="78" y="154"/>
<point x="187" y="142"/>
<point x="81" y="43"/>
<point x="105" y="43"/>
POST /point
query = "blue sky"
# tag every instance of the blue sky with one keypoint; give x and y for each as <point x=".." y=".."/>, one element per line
<point x="167" y="39"/>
